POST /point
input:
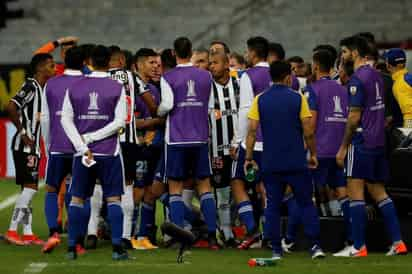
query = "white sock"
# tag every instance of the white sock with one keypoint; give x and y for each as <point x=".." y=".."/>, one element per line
<point x="21" y="207"/>
<point x="27" y="221"/>
<point x="187" y="197"/>
<point x="223" y="211"/>
<point x="96" y="202"/>
<point x="334" y="207"/>
<point x="127" y="207"/>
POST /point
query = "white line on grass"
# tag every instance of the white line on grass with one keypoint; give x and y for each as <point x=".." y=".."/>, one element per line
<point x="12" y="199"/>
<point x="35" y="268"/>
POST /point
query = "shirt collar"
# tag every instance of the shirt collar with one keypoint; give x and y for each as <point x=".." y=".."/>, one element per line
<point x="72" y="72"/>
<point x="98" y="74"/>
<point x="262" y="64"/>
<point x="399" y="73"/>
<point x="185" y="65"/>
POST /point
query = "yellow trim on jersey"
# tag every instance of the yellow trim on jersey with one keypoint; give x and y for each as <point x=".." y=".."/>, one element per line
<point x="254" y="109"/>
<point x="304" y="108"/>
<point x="402" y="92"/>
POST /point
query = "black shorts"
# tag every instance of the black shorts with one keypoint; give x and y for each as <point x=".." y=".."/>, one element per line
<point x="152" y="155"/>
<point x="129" y="155"/>
<point x="222" y="175"/>
<point x="27" y="168"/>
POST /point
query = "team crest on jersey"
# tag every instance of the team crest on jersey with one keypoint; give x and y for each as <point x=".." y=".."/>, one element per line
<point x="93" y="101"/>
<point x="191" y="89"/>
<point x="338" y="105"/>
<point x="353" y="90"/>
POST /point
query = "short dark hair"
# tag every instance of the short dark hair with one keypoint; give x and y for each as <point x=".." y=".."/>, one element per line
<point x="368" y="36"/>
<point x="259" y="45"/>
<point x="277" y="49"/>
<point x="168" y="59"/>
<point x="239" y="58"/>
<point x="129" y="58"/>
<point x="202" y="50"/>
<point x="144" y="52"/>
<point x="324" y="59"/>
<point x="37" y="60"/>
<point x="279" y="70"/>
<point x="87" y="50"/>
<point x="295" y="59"/>
<point x="356" y="43"/>
<point x="332" y="50"/>
<point x="115" y="49"/>
<point x="218" y="42"/>
<point x="74" y="58"/>
<point x="183" y="47"/>
<point x="101" y="56"/>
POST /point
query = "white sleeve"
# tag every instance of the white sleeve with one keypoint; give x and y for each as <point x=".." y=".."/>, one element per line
<point x="211" y="100"/>
<point x="45" y="119"/>
<point x="166" y="103"/>
<point x="246" y="98"/>
<point x="69" y="126"/>
<point x="120" y="115"/>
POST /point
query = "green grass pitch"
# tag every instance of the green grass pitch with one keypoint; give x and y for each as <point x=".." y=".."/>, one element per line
<point x="29" y="259"/>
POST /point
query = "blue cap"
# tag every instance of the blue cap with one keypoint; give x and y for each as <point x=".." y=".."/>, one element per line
<point x="395" y="56"/>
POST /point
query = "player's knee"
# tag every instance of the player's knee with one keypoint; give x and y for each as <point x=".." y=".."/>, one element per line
<point x="377" y="191"/>
<point x="51" y="189"/>
<point x="158" y="189"/>
<point x="203" y="186"/>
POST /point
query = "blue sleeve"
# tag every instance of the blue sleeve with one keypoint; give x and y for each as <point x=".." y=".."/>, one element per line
<point x="356" y="93"/>
<point x="408" y="79"/>
<point x="312" y="98"/>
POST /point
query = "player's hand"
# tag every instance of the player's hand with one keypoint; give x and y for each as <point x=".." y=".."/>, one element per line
<point x="27" y="140"/>
<point x="250" y="162"/>
<point x="90" y="157"/>
<point x="67" y="39"/>
<point x="340" y="156"/>
<point x="313" y="162"/>
<point x="233" y="152"/>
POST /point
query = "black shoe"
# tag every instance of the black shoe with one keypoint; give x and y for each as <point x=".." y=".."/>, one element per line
<point x="153" y="235"/>
<point x="119" y="253"/>
<point x="91" y="242"/>
<point x="71" y="254"/>
<point x="127" y="244"/>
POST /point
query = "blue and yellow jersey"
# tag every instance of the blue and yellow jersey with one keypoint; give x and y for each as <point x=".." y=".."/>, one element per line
<point x="402" y="90"/>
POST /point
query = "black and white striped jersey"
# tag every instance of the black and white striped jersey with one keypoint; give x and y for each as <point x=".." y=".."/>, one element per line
<point x="28" y="102"/>
<point x="134" y="87"/>
<point x="224" y="116"/>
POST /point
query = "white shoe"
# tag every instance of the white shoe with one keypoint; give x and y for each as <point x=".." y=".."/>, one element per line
<point x="317" y="252"/>
<point x="351" y="251"/>
<point x="276" y="256"/>
<point x="287" y="247"/>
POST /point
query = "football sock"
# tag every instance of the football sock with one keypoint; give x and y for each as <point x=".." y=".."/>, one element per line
<point x="208" y="207"/>
<point x="75" y="222"/>
<point x="390" y="218"/>
<point x="21" y="207"/>
<point x="223" y="211"/>
<point x="146" y="219"/>
<point x="177" y="209"/>
<point x="115" y="216"/>
<point x="245" y="210"/>
<point x="51" y="210"/>
<point x="358" y="217"/>
<point x="335" y="208"/>
<point x="96" y="202"/>
<point x="127" y="207"/>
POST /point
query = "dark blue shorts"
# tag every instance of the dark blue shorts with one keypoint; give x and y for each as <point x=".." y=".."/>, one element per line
<point x="328" y="173"/>
<point x="368" y="164"/>
<point x="238" y="171"/>
<point x="185" y="161"/>
<point x="160" y="171"/>
<point x="58" y="167"/>
<point x="109" y="171"/>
